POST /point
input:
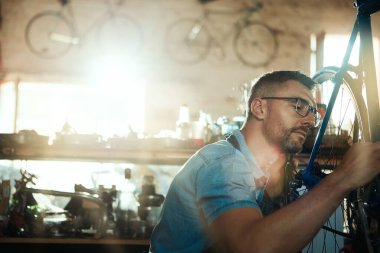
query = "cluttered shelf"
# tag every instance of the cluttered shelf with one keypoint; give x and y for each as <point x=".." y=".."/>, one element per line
<point x="92" y="148"/>
<point x="139" y="151"/>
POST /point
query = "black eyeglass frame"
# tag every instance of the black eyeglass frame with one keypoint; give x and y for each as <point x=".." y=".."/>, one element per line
<point x="297" y="101"/>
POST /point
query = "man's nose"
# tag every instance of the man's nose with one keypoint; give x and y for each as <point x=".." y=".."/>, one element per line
<point x="309" y="120"/>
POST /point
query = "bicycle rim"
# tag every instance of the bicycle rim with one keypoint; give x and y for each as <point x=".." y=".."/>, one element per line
<point x="255" y="44"/>
<point x="119" y="35"/>
<point x="348" y="124"/>
<point x="49" y="35"/>
<point x="188" y="41"/>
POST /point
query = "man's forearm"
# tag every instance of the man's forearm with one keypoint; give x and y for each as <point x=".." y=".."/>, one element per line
<point x="302" y="218"/>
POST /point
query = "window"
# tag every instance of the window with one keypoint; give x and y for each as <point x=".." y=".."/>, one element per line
<point x="334" y="47"/>
<point x="108" y="108"/>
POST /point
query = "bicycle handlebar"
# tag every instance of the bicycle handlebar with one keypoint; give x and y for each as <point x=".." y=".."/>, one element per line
<point x="367" y="7"/>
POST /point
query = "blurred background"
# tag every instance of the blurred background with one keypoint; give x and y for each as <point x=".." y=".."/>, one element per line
<point x="115" y="95"/>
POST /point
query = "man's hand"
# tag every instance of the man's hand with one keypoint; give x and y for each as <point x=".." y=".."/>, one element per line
<point x="360" y="164"/>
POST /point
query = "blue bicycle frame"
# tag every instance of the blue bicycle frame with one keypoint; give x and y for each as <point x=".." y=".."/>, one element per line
<point x="362" y="27"/>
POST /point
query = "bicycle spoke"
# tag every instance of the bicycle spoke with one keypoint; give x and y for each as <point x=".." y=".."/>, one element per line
<point x="255" y="44"/>
<point x="348" y="116"/>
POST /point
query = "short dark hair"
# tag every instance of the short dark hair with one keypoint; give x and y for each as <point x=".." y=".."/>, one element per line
<point x="268" y="83"/>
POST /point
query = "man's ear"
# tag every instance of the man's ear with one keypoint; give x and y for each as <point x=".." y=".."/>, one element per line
<point x="258" y="108"/>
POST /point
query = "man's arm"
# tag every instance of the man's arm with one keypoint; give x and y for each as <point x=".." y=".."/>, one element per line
<point x="292" y="227"/>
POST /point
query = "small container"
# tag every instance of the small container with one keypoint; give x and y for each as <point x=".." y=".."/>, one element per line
<point x="5" y="193"/>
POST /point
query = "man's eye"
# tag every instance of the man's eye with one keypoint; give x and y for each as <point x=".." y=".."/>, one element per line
<point x="303" y="105"/>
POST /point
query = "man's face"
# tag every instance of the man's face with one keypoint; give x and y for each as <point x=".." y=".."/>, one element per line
<point x="283" y="125"/>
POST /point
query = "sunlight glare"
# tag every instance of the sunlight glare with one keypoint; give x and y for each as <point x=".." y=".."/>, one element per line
<point x="120" y="92"/>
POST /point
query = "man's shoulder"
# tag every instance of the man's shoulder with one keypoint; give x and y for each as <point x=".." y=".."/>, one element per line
<point x="218" y="150"/>
<point x="219" y="147"/>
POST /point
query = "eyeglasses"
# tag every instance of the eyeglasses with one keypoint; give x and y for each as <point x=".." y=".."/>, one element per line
<point x="302" y="107"/>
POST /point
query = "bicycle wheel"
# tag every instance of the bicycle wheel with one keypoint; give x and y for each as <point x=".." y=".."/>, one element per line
<point x="49" y="35"/>
<point x="255" y="44"/>
<point x="348" y="124"/>
<point x="188" y="41"/>
<point x="119" y="35"/>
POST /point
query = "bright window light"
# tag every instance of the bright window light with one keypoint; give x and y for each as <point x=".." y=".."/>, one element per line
<point x="113" y="108"/>
<point x="335" y="46"/>
<point x="110" y="103"/>
<point x="7" y="107"/>
<point x="334" y="49"/>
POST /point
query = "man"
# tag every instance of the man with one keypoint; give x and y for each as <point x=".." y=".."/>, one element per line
<point x="214" y="200"/>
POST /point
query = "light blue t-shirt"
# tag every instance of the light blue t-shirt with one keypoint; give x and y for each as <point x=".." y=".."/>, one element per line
<point x="216" y="179"/>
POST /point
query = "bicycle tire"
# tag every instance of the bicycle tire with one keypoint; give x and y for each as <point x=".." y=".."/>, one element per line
<point x="255" y="44"/>
<point x="188" y="41"/>
<point x="342" y="228"/>
<point x="119" y="35"/>
<point x="40" y="30"/>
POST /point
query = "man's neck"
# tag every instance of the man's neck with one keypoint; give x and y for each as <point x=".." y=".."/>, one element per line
<point x="270" y="158"/>
<point x="266" y="154"/>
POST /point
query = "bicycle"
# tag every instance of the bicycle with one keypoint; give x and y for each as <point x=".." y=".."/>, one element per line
<point x="189" y="40"/>
<point x="51" y="34"/>
<point x="357" y="229"/>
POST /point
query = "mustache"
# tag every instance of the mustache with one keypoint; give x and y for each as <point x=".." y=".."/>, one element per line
<point x="302" y="128"/>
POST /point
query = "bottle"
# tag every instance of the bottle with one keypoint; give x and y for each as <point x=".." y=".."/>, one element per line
<point x="183" y="128"/>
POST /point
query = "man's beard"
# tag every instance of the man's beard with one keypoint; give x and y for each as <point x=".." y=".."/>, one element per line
<point x="290" y="145"/>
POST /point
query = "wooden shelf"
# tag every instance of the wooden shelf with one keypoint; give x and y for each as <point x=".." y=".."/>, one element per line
<point x="18" y="240"/>
<point x="170" y="156"/>
<point x="69" y="245"/>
